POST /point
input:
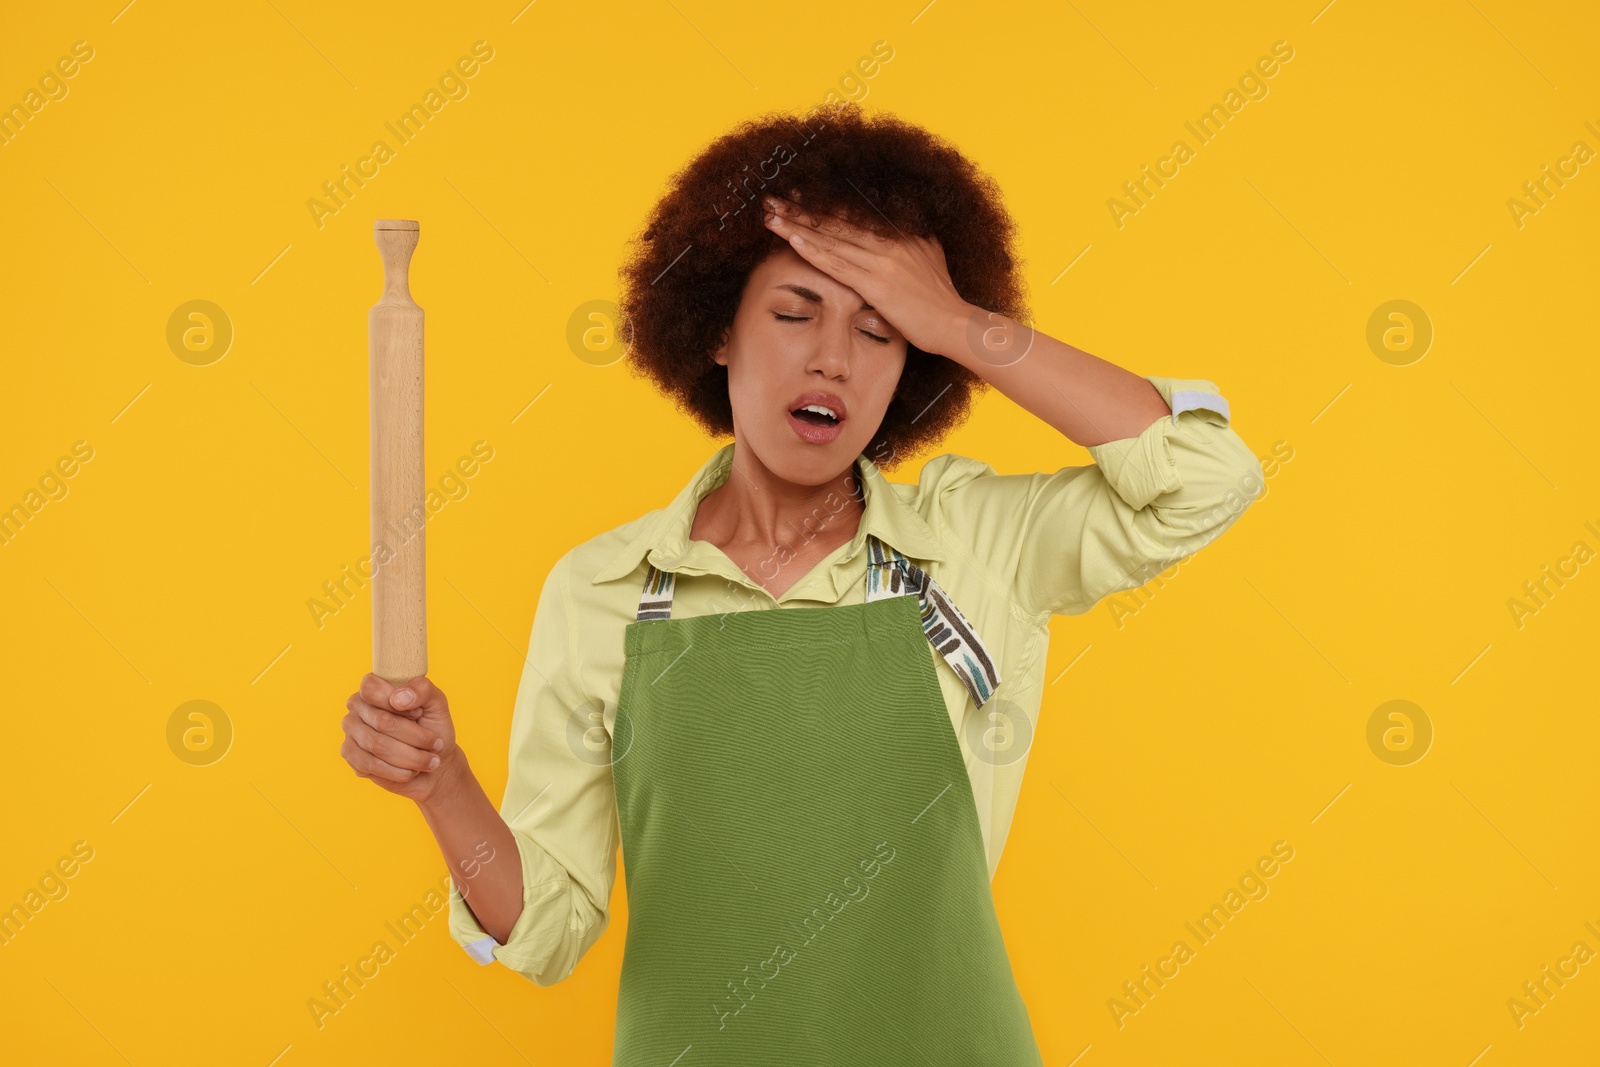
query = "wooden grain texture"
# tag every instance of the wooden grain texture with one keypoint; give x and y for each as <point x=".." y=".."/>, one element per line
<point x="395" y="358"/>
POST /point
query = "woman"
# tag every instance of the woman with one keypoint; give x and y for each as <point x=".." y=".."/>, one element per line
<point x="810" y="801"/>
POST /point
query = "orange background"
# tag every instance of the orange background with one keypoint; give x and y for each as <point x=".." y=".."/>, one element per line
<point x="1413" y="493"/>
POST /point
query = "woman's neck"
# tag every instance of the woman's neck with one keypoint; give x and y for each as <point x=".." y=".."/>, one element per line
<point x="774" y="529"/>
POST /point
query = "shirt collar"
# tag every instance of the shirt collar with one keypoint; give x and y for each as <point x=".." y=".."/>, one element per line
<point x="664" y="540"/>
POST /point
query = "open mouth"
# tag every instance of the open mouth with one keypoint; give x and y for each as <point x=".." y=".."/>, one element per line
<point x="816" y="414"/>
<point x="817" y="417"/>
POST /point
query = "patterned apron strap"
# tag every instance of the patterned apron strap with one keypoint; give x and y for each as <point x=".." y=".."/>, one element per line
<point x="655" y="601"/>
<point x="889" y="573"/>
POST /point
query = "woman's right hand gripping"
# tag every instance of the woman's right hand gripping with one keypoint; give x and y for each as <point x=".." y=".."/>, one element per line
<point x="400" y="737"/>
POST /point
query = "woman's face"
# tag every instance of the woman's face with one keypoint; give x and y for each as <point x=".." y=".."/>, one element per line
<point x="801" y="337"/>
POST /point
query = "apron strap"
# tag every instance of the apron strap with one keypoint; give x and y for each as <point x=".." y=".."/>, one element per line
<point x="655" y="602"/>
<point x="889" y="573"/>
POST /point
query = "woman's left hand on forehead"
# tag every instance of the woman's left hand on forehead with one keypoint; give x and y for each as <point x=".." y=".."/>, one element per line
<point x="905" y="278"/>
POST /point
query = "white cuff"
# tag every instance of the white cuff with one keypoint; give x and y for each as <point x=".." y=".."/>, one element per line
<point x="482" y="949"/>
<point x="1185" y="399"/>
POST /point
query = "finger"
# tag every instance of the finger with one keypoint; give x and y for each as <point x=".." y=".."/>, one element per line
<point x="842" y="259"/>
<point x="930" y="251"/>
<point x="398" y="727"/>
<point x="366" y="765"/>
<point x="375" y="690"/>
<point x="386" y="748"/>
<point x="792" y="212"/>
<point x="829" y="229"/>
<point x="417" y="695"/>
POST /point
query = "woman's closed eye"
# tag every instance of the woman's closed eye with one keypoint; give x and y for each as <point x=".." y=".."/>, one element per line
<point x="804" y="318"/>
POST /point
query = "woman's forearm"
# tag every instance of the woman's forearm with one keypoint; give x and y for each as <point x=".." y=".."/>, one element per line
<point x="1088" y="399"/>
<point x="478" y="846"/>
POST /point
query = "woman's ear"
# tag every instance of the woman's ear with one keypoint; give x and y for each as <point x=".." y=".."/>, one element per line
<point x="720" y="353"/>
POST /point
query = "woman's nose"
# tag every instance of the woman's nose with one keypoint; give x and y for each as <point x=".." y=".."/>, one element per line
<point x="832" y="355"/>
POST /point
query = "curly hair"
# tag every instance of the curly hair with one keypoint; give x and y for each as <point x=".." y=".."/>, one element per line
<point x="686" y="272"/>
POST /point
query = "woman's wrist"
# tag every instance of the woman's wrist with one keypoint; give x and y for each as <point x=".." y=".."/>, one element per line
<point x="454" y="781"/>
<point x="964" y="330"/>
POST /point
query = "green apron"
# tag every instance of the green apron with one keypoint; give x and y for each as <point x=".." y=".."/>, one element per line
<point x="805" y="872"/>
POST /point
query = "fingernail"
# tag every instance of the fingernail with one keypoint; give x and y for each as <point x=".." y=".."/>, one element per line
<point x="438" y="744"/>
<point x="404" y="697"/>
<point x="434" y="762"/>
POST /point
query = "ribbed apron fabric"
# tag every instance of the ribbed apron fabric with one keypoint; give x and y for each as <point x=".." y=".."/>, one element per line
<point x="805" y="871"/>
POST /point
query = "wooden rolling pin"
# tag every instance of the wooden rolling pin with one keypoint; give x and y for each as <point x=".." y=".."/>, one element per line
<point x="394" y="354"/>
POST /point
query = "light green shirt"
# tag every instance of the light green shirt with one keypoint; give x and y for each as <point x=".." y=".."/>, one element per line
<point x="1010" y="550"/>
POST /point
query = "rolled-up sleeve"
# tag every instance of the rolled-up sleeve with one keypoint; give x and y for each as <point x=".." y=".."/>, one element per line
<point x="1064" y="540"/>
<point x="559" y="803"/>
